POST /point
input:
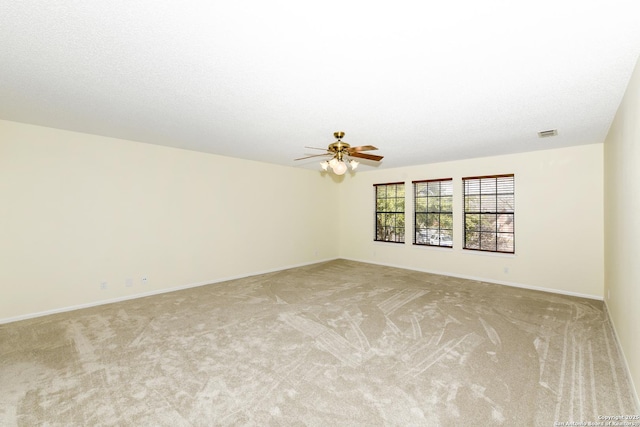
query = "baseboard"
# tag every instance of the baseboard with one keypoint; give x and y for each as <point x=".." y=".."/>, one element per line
<point x="154" y="292"/>
<point x="257" y="273"/>
<point x="632" y="385"/>
<point x="483" y="279"/>
<point x="536" y="288"/>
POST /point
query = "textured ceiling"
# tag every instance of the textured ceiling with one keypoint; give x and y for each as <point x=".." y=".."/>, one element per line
<point x="423" y="81"/>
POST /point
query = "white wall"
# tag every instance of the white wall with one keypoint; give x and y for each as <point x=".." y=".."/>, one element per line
<point x="78" y="209"/>
<point x="558" y="221"/>
<point x="622" y="224"/>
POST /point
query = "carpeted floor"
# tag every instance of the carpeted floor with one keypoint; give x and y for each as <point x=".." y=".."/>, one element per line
<point x="336" y="343"/>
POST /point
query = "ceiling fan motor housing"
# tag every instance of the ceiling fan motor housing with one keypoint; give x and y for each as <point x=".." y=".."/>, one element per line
<point x="339" y="146"/>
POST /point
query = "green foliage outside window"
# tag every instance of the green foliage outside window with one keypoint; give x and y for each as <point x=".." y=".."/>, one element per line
<point x="390" y="212"/>
<point x="489" y="212"/>
<point x="433" y="212"/>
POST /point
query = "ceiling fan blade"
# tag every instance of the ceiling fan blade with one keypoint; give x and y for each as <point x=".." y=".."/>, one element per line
<point x="363" y="148"/>
<point x="366" y="156"/>
<point x="316" y="148"/>
<point x="315" y="155"/>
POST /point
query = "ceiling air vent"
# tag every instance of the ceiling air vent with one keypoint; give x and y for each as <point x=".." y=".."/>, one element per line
<point x="547" y="133"/>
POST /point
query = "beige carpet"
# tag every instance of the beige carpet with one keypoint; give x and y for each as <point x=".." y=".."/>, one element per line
<point x="337" y="343"/>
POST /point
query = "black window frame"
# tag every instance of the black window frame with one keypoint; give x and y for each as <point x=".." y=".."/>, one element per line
<point x="489" y="213"/>
<point x="388" y="214"/>
<point x="438" y="209"/>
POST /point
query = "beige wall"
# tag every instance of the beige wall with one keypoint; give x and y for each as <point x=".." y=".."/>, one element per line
<point x="559" y="221"/>
<point x="79" y="209"/>
<point x="622" y="224"/>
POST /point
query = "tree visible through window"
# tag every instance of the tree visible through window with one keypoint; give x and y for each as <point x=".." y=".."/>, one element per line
<point x="390" y="212"/>
<point x="489" y="209"/>
<point x="433" y="212"/>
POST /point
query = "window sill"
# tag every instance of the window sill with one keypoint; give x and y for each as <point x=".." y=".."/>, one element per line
<point x="487" y="253"/>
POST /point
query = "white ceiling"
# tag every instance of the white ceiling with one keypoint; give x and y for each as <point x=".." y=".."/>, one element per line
<point x="423" y="81"/>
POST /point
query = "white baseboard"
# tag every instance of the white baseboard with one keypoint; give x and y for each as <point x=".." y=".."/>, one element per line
<point x="483" y="279"/>
<point x="634" y="390"/>
<point x="241" y="276"/>
<point x="154" y="292"/>
<point x="256" y="273"/>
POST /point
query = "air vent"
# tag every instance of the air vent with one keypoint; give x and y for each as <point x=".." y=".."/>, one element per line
<point x="548" y="133"/>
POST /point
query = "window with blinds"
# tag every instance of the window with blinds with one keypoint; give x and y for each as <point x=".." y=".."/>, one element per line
<point x="489" y="213"/>
<point x="389" y="212"/>
<point x="433" y="212"/>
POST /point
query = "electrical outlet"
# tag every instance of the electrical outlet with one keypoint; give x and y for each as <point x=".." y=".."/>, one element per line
<point x="104" y="285"/>
<point x="145" y="280"/>
<point x="506" y="270"/>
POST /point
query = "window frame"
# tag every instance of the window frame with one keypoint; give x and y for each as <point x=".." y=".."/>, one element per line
<point x="429" y="211"/>
<point x="504" y="219"/>
<point x="399" y="231"/>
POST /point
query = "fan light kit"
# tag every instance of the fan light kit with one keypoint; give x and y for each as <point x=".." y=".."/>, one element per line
<point x="341" y="152"/>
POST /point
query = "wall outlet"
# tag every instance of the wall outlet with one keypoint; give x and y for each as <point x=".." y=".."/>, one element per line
<point x="144" y="280"/>
<point x="128" y="282"/>
<point x="506" y="270"/>
<point x="104" y="285"/>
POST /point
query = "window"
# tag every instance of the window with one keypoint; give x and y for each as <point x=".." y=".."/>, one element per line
<point x="433" y="219"/>
<point x="390" y="212"/>
<point x="489" y="213"/>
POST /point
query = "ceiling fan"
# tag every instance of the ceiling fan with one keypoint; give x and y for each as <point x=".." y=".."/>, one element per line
<point x="342" y="151"/>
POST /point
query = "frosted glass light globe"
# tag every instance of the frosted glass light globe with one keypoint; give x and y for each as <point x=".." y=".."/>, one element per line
<point x="339" y="168"/>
